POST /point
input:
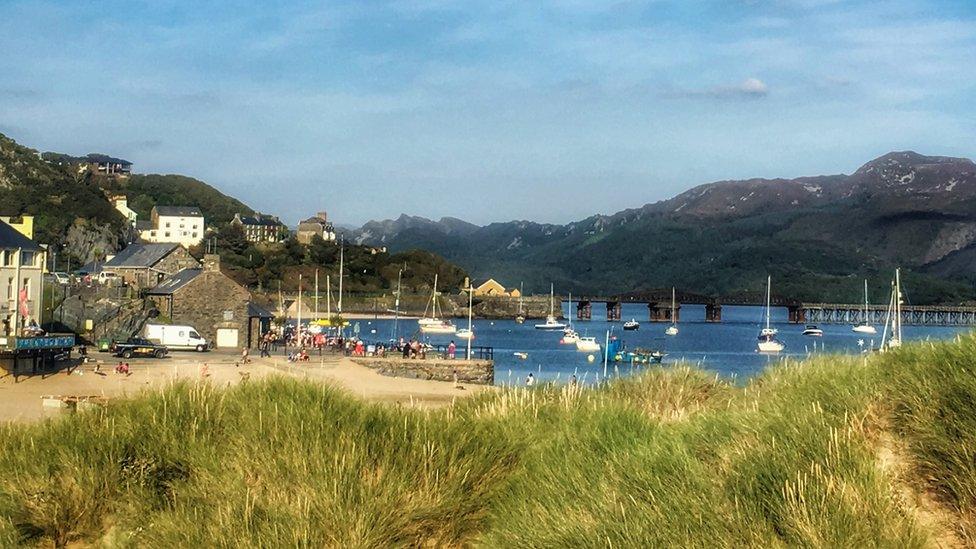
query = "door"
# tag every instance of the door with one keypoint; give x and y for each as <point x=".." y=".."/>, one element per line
<point x="226" y="337"/>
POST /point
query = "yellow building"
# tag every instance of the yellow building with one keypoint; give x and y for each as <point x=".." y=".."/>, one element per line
<point x="23" y="224"/>
<point x="491" y="287"/>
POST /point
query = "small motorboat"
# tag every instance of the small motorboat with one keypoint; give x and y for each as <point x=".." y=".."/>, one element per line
<point x="640" y="356"/>
<point x="812" y="331"/>
<point x="520" y="319"/>
<point x="587" y="344"/>
<point x="550" y="324"/>
<point x="672" y="330"/>
<point x="520" y="355"/>
<point x="465" y="333"/>
<point x="570" y="337"/>
<point x="440" y="327"/>
<point x="864" y="328"/>
<point x="632" y="324"/>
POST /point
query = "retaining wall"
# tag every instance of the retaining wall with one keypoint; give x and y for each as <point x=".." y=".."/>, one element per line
<point x="481" y="372"/>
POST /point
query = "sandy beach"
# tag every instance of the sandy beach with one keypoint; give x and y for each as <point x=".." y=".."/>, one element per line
<point x="21" y="400"/>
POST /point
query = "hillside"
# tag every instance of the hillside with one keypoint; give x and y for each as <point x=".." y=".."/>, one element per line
<point x="833" y="452"/>
<point x="146" y="191"/>
<point x="818" y="236"/>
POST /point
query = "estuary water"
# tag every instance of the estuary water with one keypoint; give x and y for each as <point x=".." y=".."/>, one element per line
<point x="728" y="348"/>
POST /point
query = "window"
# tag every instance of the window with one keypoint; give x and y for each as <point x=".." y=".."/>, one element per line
<point x="167" y="224"/>
<point x="182" y="226"/>
<point x="167" y="233"/>
<point x="194" y="235"/>
<point x="26" y="259"/>
<point x="10" y="288"/>
<point x="194" y="225"/>
<point x="8" y="258"/>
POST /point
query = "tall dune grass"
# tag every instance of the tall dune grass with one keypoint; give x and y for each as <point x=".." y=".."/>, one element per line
<point x="674" y="457"/>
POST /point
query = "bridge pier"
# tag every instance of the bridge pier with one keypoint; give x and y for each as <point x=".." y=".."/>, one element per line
<point x="661" y="312"/>
<point x="797" y="314"/>
<point x="713" y="312"/>
<point x="613" y="311"/>
<point x="584" y="310"/>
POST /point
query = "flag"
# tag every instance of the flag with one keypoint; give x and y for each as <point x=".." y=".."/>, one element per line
<point x="24" y="309"/>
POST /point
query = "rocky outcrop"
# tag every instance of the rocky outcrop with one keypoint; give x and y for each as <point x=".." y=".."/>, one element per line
<point x="480" y="372"/>
<point x="87" y="241"/>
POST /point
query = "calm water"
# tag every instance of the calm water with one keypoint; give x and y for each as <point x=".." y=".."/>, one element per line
<point x="728" y="348"/>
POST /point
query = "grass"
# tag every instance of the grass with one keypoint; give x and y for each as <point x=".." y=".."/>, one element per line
<point x="835" y="451"/>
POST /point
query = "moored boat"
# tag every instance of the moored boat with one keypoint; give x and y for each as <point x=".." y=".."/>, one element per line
<point x="673" y="328"/>
<point x="767" y="336"/>
<point x="865" y="327"/>
<point x="812" y="331"/>
<point x="551" y="322"/>
<point x="433" y="324"/>
<point x="587" y="344"/>
<point x="632" y="325"/>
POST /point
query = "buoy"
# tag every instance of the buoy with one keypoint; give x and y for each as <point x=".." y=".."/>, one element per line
<point x="590" y="358"/>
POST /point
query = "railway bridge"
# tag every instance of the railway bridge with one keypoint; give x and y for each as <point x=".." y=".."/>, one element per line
<point x="659" y="304"/>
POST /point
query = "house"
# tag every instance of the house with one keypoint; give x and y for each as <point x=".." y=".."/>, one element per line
<point x="179" y="224"/>
<point x="210" y="301"/>
<point x="21" y="279"/>
<point x="260" y="228"/>
<point x="317" y="225"/>
<point x="145" y="265"/>
<point x="23" y="224"/>
<point x="491" y="287"/>
<point x="121" y="203"/>
<point x="102" y="164"/>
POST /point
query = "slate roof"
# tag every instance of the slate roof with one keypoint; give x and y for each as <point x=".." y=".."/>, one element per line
<point x="265" y="220"/>
<point x="173" y="283"/>
<point x="178" y="211"/>
<point x="139" y="255"/>
<point x="11" y="239"/>
<point x="256" y="311"/>
<point x="144" y="225"/>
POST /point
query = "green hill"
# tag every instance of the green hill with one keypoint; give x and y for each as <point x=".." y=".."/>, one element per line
<point x="834" y="452"/>
<point x="146" y="191"/>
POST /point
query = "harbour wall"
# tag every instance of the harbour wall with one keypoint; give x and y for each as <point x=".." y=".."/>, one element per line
<point x="479" y="372"/>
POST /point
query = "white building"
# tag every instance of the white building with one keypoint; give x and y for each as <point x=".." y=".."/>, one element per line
<point x="121" y="203"/>
<point x="21" y="280"/>
<point x="178" y="224"/>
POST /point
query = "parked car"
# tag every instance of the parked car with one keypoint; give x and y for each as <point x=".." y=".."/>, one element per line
<point x="107" y="277"/>
<point x="177" y="337"/>
<point x="60" y="278"/>
<point x="139" y="346"/>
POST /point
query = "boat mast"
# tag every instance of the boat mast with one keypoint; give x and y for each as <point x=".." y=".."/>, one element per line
<point x="433" y="299"/>
<point x="316" y="294"/>
<point x="769" y="293"/>
<point x="328" y="298"/>
<point x="521" y="293"/>
<point x="396" y="305"/>
<point x="570" y="309"/>
<point x="298" y="327"/>
<point x="341" y="249"/>
<point x="897" y="332"/>
<point x="672" y="306"/>
<point x="865" y="319"/>
<point x="470" y="327"/>
<point x="551" y="291"/>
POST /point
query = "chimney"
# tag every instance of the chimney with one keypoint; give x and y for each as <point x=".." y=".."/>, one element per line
<point x="323" y="216"/>
<point x="211" y="262"/>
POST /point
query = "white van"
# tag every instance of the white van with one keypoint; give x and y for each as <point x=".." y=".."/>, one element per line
<point x="176" y="337"/>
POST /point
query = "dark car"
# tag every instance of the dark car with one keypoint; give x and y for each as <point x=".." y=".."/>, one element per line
<point x="138" y="346"/>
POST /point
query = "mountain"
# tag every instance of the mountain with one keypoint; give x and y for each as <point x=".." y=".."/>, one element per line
<point x="817" y="236"/>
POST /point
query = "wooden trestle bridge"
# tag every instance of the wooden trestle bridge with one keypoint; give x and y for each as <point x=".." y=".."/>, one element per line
<point x="658" y="303"/>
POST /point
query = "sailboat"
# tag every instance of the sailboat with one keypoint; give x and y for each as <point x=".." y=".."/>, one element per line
<point x="433" y="324"/>
<point x="865" y="327"/>
<point x="673" y="328"/>
<point x="520" y="317"/>
<point x="891" y="337"/>
<point x="569" y="334"/>
<point x="551" y="323"/>
<point x="767" y="336"/>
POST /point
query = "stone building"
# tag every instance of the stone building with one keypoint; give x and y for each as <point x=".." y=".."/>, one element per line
<point x="492" y="287"/>
<point x="317" y="225"/>
<point x="219" y="308"/>
<point x="260" y="228"/>
<point x="145" y="265"/>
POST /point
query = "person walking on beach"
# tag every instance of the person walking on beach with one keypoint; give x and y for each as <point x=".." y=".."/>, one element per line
<point x="451" y="349"/>
<point x="245" y="355"/>
<point x="457" y="381"/>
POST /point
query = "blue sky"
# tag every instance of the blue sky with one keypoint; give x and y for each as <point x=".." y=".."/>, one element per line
<point x="488" y="111"/>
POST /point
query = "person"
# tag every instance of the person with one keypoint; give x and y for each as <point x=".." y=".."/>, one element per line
<point x="204" y="370"/>
<point x="572" y="380"/>
<point x="530" y="381"/>
<point x="451" y="349"/>
<point x="457" y="381"/>
<point x="406" y="350"/>
<point x="245" y="358"/>
<point x="265" y="344"/>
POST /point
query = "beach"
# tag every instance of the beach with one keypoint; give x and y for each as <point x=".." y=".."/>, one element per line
<point x="22" y="400"/>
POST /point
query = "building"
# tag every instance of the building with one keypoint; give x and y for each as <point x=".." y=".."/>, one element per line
<point x="121" y="203"/>
<point x="491" y="287"/>
<point x="21" y="279"/>
<point x="178" y="224"/>
<point x="260" y="228"/>
<point x="220" y="309"/>
<point x="317" y="225"/>
<point x="145" y="265"/>
<point x="23" y="224"/>
<point x="102" y="164"/>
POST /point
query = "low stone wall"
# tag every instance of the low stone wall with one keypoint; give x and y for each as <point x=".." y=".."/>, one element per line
<point x="481" y="372"/>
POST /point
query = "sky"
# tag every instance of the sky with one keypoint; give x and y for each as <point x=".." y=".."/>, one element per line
<point x="549" y="111"/>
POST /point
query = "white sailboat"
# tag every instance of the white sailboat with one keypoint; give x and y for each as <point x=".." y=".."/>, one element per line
<point x="570" y="336"/>
<point x="891" y="337"/>
<point x="433" y="324"/>
<point x="587" y="344"/>
<point x="865" y="327"/>
<point x="551" y="323"/>
<point x="767" y="336"/>
<point x="673" y="328"/>
<point x="520" y="317"/>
